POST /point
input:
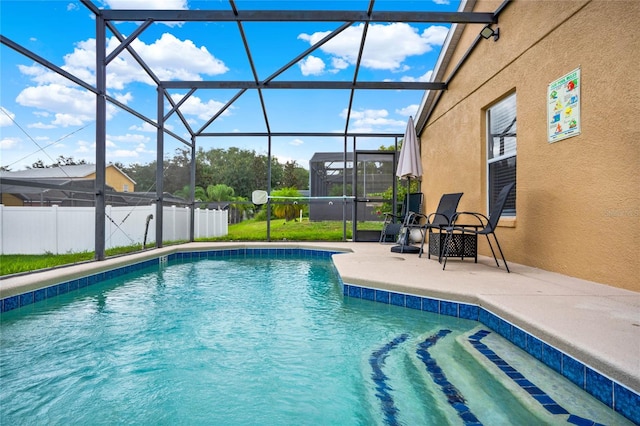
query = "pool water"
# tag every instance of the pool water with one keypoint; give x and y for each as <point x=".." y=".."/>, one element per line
<point x="255" y="341"/>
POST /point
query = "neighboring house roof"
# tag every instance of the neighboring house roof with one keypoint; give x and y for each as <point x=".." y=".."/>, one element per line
<point x="79" y="171"/>
<point x="57" y="191"/>
<point x="62" y="172"/>
<point x="323" y="157"/>
<point x="56" y="184"/>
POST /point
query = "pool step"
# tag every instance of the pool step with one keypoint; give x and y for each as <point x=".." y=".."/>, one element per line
<point x="550" y="396"/>
<point x="469" y="378"/>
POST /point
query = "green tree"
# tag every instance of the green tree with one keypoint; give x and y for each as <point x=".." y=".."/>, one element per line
<point x="295" y="176"/>
<point x="185" y="192"/>
<point x="220" y="192"/>
<point x="144" y="175"/>
<point x="67" y="161"/>
<point x="243" y="170"/>
<point x="176" y="171"/>
<point x="60" y="161"/>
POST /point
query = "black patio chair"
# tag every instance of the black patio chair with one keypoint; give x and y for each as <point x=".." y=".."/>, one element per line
<point x="439" y="220"/>
<point x="393" y="223"/>
<point x="486" y="225"/>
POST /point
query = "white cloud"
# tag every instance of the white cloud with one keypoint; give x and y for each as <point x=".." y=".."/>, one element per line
<point x="7" y="143"/>
<point x="70" y="106"/>
<point x="40" y="125"/>
<point x="387" y="47"/>
<point x="435" y="35"/>
<point x="173" y="59"/>
<point x="409" y="110"/>
<point x="113" y="152"/>
<point x="119" y="146"/>
<point x="123" y="153"/>
<point x="6" y="117"/>
<point x="426" y="77"/>
<point x="84" y="147"/>
<point x="195" y="106"/>
<point x="66" y="120"/>
<point x="129" y="138"/>
<point x="145" y="127"/>
<point x="125" y="98"/>
<point x="147" y="4"/>
<point x="296" y="142"/>
<point x="311" y="65"/>
<point x="61" y="99"/>
<point x="169" y="57"/>
<point x="150" y="4"/>
<point x="339" y="63"/>
<point x="369" y="120"/>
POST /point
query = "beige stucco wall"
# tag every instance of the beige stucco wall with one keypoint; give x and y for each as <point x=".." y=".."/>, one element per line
<point x="578" y="203"/>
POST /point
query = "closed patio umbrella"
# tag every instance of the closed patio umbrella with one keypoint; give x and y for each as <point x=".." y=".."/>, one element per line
<point x="409" y="166"/>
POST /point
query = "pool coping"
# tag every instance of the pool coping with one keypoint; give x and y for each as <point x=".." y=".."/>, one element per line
<point x="370" y="269"/>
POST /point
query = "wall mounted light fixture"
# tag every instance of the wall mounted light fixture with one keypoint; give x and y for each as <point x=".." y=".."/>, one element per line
<point x="488" y="32"/>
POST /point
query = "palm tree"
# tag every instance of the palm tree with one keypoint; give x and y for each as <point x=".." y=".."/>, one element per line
<point x="286" y="211"/>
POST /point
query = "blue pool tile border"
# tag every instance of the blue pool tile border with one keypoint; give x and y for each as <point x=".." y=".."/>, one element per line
<point x="616" y="396"/>
<point x="20" y="300"/>
<point x="251" y="252"/>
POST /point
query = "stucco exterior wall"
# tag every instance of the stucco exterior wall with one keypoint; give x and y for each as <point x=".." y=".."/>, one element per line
<point x="578" y="203"/>
<point x="115" y="179"/>
<point x="10" y="200"/>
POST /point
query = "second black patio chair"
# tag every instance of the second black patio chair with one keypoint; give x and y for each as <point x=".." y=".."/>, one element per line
<point x="438" y="220"/>
<point x="486" y="225"/>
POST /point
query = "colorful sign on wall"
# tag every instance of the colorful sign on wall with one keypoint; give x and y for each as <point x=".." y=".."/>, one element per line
<point x="563" y="107"/>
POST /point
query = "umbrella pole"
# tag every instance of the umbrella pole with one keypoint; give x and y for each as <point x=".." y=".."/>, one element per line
<point x="408" y="192"/>
<point x="405" y="245"/>
<point x="407" y="238"/>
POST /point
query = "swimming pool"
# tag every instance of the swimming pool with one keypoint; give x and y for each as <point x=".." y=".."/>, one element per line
<point x="254" y="341"/>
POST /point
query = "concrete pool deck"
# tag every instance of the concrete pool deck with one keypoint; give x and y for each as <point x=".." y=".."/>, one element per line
<point x="597" y="324"/>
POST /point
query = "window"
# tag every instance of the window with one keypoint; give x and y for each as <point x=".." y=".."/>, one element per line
<point x="501" y="151"/>
<point x="125" y="187"/>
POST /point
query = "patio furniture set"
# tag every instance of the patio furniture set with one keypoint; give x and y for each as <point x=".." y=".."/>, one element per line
<point x="447" y="232"/>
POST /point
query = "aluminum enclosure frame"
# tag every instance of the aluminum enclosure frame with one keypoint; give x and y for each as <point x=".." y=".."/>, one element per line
<point x="105" y="20"/>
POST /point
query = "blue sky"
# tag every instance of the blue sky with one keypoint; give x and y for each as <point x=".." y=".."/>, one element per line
<point x="44" y="116"/>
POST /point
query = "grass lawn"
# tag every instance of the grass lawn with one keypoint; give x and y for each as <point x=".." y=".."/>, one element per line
<point x="248" y="230"/>
<point x="17" y="263"/>
<point x="281" y="230"/>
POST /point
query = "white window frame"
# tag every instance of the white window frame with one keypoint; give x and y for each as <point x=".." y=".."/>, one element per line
<point x="511" y="152"/>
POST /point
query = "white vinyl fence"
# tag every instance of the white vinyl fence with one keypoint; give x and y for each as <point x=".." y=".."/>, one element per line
<point x="39" y="230"/>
